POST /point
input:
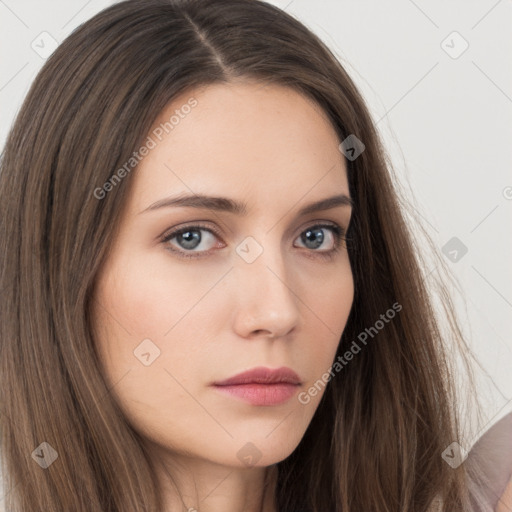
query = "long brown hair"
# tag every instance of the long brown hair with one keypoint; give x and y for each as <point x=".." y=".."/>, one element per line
<point x="376" y="440"/>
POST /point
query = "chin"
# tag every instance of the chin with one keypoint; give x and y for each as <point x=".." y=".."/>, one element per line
<point x="261" y="451"/>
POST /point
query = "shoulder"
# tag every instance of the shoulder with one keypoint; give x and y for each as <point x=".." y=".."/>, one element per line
<point x="505" y="503"/>
<point x="491" y="456"/>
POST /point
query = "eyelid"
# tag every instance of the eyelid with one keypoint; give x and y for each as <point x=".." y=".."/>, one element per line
<point x="340" y="235"/>
<point x="172" y="232"/>
<point x="208" y="227"/>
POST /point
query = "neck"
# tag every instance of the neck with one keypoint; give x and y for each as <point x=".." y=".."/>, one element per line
<point x="196" y="485"/>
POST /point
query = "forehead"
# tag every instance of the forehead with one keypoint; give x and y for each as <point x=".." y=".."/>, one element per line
<point x="242" y="140"/>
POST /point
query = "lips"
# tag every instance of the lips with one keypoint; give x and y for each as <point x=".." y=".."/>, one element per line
<point x="262" y="375"/>
<point x="261" y="386"/>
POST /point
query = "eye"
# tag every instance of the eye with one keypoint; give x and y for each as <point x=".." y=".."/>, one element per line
<point x="314" y="238"/>
<point x="190" y="239"/>
<point x="197" y="240"/>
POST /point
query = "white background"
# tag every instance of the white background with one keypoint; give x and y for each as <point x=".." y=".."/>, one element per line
<point x="446" y="121"/>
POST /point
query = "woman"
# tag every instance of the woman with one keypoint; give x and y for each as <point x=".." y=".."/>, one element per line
<point x="212" y="300"/>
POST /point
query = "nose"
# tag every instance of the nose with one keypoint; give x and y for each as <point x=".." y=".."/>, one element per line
<point x="265" y="303"/>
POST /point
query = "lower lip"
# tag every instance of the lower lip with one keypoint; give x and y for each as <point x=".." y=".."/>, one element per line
<point x="261" y="394"/>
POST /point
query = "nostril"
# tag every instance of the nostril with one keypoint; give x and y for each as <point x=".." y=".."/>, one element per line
<point x="262" y="331"/>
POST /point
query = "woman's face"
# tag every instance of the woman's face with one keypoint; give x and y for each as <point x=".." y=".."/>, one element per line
<point x="260" y="288"/>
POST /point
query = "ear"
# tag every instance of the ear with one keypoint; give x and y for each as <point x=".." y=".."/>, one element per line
<point x="505" y="502"/>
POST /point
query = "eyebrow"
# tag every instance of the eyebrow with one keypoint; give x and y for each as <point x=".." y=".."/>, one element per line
<point x="224" y="204"/>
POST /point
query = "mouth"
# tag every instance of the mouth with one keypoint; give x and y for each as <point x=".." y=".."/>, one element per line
<point x="261" y="386"/>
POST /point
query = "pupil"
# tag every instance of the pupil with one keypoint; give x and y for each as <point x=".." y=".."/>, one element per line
<point x="190" y="239"/>
<point x="316" y="236"/>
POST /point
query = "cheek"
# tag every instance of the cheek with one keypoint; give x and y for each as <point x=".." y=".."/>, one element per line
<point x="330" y="302"/>
<point x="145" y="305"/>
<point x="330" y="307"/>
<point x="149" y="339"/>
<point x="338" y="306"/>
<point x="148" y="296"/>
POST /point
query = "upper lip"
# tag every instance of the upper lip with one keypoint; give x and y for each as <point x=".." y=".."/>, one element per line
<point x="262" y="375"/>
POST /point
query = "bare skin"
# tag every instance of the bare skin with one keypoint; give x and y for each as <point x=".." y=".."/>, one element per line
<point x="505" y="502"/>
<point x="216" y="315"/>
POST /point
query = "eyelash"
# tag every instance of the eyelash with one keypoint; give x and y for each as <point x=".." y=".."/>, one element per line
<point x="338" y="231"/>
